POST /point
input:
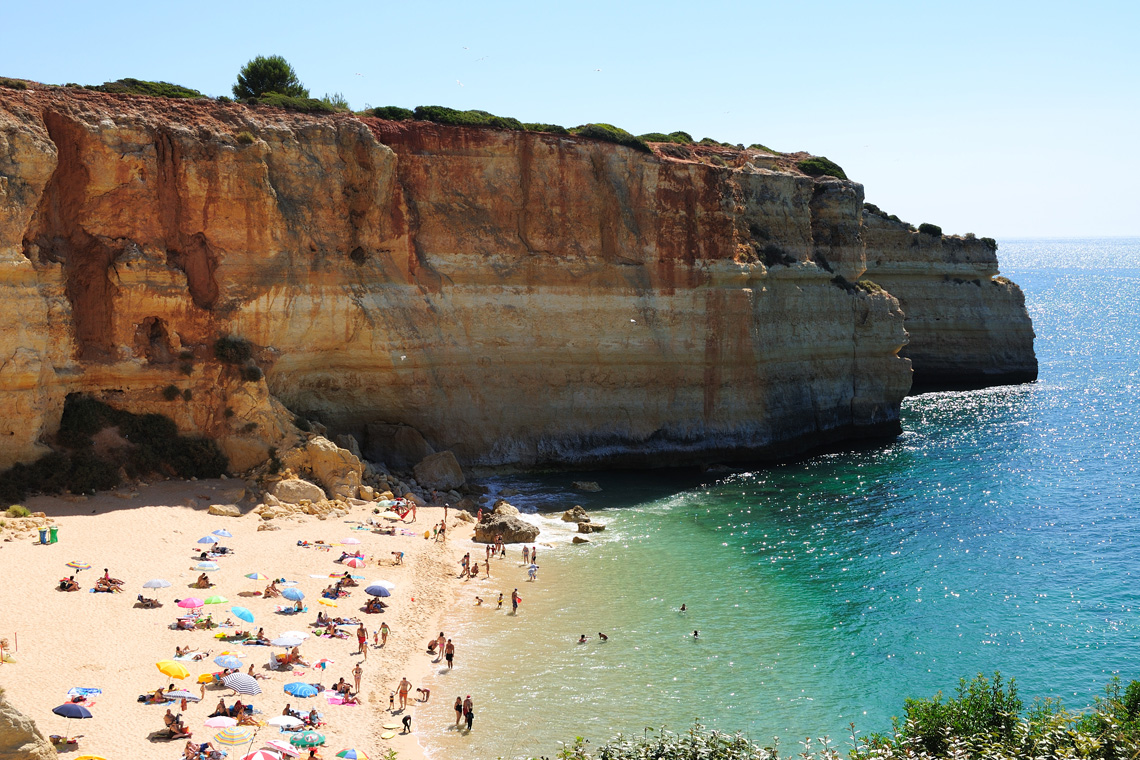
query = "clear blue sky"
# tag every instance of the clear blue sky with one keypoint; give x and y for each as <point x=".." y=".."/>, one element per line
<point x="1006" y="119"/>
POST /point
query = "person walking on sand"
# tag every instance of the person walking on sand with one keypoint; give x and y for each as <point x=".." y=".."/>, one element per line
<point x="469" y="711"/>
<point x="357" y="672"/>
<point x="449" y="654"/>
<point x="362" y="640"/>
<point x="439" y="644"/>
<point x="384" y="631"/>
<point x="515" y="599"/>
<point x="404" y="687"/>
<point x="458" y="710"/>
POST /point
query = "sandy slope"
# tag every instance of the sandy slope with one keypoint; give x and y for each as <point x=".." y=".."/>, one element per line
<point x="102" y="640"/>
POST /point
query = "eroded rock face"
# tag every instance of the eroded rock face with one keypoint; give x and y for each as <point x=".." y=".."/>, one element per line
<point x="968" y="326"/>
<point x="440" y="471"/>
<point x="516" y="298"/>
<point x="334" y="468"/>
<point x="20" y="739"/>
<point x="296" y="490"/>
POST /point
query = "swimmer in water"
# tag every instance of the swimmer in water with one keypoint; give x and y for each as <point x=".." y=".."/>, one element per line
<point x="682" y="608"/>
<point x="602" y="636"/>
<point x="582" y="639"/>
<point x="696" y="634"/>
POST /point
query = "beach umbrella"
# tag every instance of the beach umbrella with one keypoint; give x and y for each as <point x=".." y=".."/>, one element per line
<point x="307" y="739"/>
<point x="299" y="689"/>
<point x="261" y="754"/>
<point x="190" y="603"/>
<point x="223" y="533"/>
<point x="327" y="603"/>
<point x="90" y="757"/>
<point x="207" y="540"/>
<point x="293" y="635"/>
<point x="242" y="684"/>
<point x="377" y="590"/>
<point x="216" y="600"/>
<point x="76" y="565"/>
<point x="386" y="584"/>
<point x="228" y="661"/>
<point x="156" y="583"/>
<point x="285" y="721"/>
<point x="324" y="663"/>
<point x="73" y="711"/>
<point x="234" y="735"/>
<point x="208" y="566"/>
<point x="354" y="562"/>
<point x="220" y="721"/>
<point x="352" y="754"/>
<point x="293" y="594"/>
<point x="257" y="577"/>
<point x="287" y="641"/>
<point x="242" y="614"/>
<point x="283" y="747"/>
<point x="351" y="541"/>
<point x="183" y="694"/>
<point x="172" y="669"/>
<point x="288" y="584"/>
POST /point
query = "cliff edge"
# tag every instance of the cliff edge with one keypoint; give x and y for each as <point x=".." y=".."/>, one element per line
<point x="523" y="299"/>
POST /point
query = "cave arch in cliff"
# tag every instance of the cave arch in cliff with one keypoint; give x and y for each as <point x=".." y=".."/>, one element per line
<point x="152" y="340"/>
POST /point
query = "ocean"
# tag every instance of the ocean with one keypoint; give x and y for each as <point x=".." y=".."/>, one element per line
<point x="998" y="533"/>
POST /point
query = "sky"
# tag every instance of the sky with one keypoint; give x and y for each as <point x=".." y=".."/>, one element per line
<point x="1003" y="118"/>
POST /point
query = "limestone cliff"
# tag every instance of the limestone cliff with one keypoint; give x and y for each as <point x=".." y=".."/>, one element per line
<point x="20" y="739"/>
<point x="520" y="298"/>
<point x="968" y="326"/>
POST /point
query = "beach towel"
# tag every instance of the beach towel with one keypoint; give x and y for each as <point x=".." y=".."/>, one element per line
<point x="192" y="656"/>
<point x="83" y="691"/>
<point x="288" y="610"/>
<point x="340" y="701"/>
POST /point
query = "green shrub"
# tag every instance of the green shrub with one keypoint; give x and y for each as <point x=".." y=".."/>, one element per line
<point x="474" y="118"/>
<point x="245" y="137"/>
<point x="930" y="229"/>
<point x="13" y="84"/>
<point x="336" y="102"/>
<point x="869" y="286"/>
<point x="231" y="350"/>
<point x="17" y="510"/>
<point x="292" y="102"/>
<point x="391" y="113"/>
<point x="760" y="146"/>
<point x="223" y="99"/>
<point x="553" y="128"/>
<point x="268" y="74"/>
<point x="710" y="141"/>
<point x="187" y="395"/>
<point x="684" y="138"/>
<point x="681" y="138"/>
<point x="820" y="166"/>
<point x="610" y="133"/>
<point x="171" y="392"/>
<point x="143" y="87"/>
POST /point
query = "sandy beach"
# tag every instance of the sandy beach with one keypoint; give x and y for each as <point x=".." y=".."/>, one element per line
<point x="104" y="641"/>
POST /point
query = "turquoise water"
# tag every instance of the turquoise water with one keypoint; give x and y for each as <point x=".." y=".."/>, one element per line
<point x="1000" y="532"/>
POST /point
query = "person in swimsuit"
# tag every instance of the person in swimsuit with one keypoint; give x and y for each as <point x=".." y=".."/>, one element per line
<point x="449" y="654"/>
<point x="458" y="710"/>
<point x="404" y="687"/>
<point x="469" y="711"/>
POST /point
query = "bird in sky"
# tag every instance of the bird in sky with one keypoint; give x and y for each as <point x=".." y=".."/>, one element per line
<point x="459" y="83"/>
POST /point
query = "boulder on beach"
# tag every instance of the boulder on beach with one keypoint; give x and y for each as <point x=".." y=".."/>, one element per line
<point x="504" y="508"/>
<point x="225" y="510"/>
<point x="440" y="471"/>
<point x="513" y="530"/>
<point x="336" y="469"/>
<point x="580" y="540"/>
<point x="296" y="490"/>
<point x="575" y="515"/>
<point x="586" y="485"/>
<point x="585" y="527"/>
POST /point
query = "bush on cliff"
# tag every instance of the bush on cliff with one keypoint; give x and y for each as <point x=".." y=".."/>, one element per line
<point x="155" y="447"/>
<point x="268" y="74"/>
<point x="13" y="84"/>
<point x="474" y="118"/>
<point x="539" y="127"/>
<point x="820" y="166"/>
<point x="391" y="113"/>
<point x="930" y="229"/>
<point x="610" y="133"/>
<point x="302" y="104"/>
<point x="229" y="349"/>
<point x="680" y="138"/>
<point x="143" y="87"/>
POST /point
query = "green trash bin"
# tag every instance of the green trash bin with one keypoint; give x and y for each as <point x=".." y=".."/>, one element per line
<point x="54" y="533"/>
<point x="44" y="536"/>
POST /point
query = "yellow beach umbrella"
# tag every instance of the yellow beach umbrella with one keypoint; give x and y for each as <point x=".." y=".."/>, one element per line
<point x="91" y="757"/>
<point x="172" y="669"/>
<point x="327" y="602"/>
<point x="234" y="736"/>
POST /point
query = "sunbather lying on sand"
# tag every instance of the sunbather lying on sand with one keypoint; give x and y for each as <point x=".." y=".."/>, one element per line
<point x="68" y="584"/>
<point x="150" y="604"/>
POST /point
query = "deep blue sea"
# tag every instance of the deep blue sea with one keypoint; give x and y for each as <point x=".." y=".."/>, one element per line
<point x="999" y="532"/>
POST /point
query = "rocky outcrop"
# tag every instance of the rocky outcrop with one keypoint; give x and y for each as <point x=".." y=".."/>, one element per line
<point x="575" y="515"/>
<point x="440" y="471"/>
<point x="968" y="326"/>
<point x="586" y="485"/>
<point x="225" y="510"/>
<point x="20" y="739"/>
<point x="296" y="491"/>
<point x="512" y="529"/>
<point x="590" y="527"/>
<point x="337" y="470"/>
<point x="517" y="298"/>
<point x="502" y="507"/>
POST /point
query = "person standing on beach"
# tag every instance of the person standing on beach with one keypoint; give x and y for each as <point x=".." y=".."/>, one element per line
<point x="498" y="608"/>
<point x="526" y="554"/>
<point x="515" y="599"/>
<point x="488" y="564"/>
<point x="362" y="640"/>
<point x="469" y="711"/>
<point x="357" y="672"/>
<point x="534" y="555"/>
<point x="449" y="654"/>
<point x="458" y="710"/>
<point x="439" y="644"/>
<point x="404" y="687"/>
<point x="384" y="631"/>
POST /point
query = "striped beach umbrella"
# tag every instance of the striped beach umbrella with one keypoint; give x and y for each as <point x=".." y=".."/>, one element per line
<point x="284" y="748"/>
<point x="77" y="565"/>
<point x="183" y="694"/>
<point x="257" y="577"/>
<point x="207" y="566"/>
<point x="354" y="562"/>
<point x="307" y="739"/>
<point x="242" y="684"/>
<point x="234" y="736"/>
<point x="261" y="754"/>
<point x="352" y="754"/>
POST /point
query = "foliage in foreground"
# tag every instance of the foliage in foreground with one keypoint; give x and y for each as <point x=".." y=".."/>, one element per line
<point x="983" y="720"/>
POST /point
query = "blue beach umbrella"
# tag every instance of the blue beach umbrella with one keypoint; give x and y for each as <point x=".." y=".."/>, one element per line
<point x="72" y="710"/>
<point x="242" y="613"/>
<point x="207" y="540"/>
<point x="299" y="689"/>
<point x="377" y="591"/>
<point x="293" y="594"/>
<point x="228" y="661"/>
<point x="223" y="533"/>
